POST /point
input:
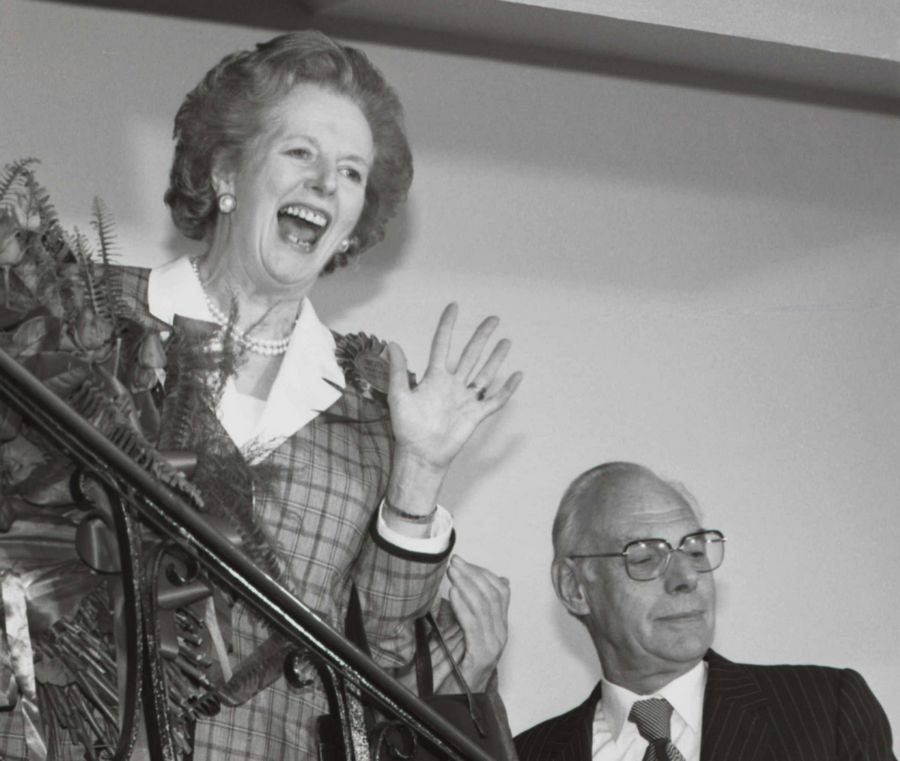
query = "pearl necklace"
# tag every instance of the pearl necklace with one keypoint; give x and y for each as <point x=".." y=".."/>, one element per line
<point x="266" y="347"/>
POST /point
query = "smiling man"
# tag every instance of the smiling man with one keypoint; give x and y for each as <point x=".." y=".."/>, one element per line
<point x="633" y="563"/>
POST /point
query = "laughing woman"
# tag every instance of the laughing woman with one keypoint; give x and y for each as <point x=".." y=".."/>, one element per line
<point x="289" y="160"/>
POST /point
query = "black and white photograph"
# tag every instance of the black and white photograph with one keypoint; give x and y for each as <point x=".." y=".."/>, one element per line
<point x="449" y="379"/>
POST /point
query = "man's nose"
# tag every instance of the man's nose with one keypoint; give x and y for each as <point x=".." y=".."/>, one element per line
<point x="680" y="576"/>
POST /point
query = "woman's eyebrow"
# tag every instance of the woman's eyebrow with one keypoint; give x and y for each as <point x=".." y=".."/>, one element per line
<point x="355" y="157"/>
<point x="287" y="137"/>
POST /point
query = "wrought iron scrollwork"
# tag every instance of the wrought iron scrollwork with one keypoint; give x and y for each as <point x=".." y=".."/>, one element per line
<point x="165" y="582"/>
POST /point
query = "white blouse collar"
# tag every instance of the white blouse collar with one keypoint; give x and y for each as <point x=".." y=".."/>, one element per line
<point x="301" y="390"/>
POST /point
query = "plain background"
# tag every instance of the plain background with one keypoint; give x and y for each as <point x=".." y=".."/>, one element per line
<point x="703" y="281"/>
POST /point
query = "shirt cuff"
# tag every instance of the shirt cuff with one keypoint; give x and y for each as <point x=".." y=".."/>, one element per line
<point x="436" y="543"/>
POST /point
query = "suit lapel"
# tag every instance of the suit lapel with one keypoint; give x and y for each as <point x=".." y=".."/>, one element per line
<point x="735" y="723"/>
<point x="573" y="735"/>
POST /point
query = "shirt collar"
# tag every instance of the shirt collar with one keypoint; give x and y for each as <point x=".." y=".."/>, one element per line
<point x="174" y="289"/>
<point x="301" y="390"/>
<point x="685" y="694"/>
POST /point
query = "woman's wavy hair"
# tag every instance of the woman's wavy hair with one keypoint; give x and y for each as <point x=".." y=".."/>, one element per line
<point x="220" y="118"/>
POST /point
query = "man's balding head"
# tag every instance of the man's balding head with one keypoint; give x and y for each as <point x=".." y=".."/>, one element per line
<point x="590" y="493"/>
<point x="646" y="632"/>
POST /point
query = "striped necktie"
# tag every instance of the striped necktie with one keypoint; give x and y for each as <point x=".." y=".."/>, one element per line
<point x="652" y="718"/>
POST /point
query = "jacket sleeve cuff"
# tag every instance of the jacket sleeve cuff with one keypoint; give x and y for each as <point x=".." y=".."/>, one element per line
<point x="428" y="549"/>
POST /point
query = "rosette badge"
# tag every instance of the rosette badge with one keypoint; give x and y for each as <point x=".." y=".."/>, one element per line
<point x="364" y="360"/>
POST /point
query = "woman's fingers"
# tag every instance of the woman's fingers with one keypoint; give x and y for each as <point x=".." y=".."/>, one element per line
<point x="474" y="348"/>
<point x="465" y="613"/>
<point x="399" y="378"/>
<point x="433" y="421"/>
<point x="480" y="600"/>
<point x="440" y="344"/>
<point x="481" y="593"/>
<point x="479" y="576"/>
<point x="484" y="628"/>
<point x="496" y="401"/>
<point x="465" y="368"/>
<point x="485" y="376"/>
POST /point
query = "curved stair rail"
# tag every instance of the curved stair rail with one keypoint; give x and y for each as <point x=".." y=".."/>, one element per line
<point x="163" y="510"/>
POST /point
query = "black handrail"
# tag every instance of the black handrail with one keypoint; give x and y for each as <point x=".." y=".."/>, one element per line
<point x="171" y="516"/>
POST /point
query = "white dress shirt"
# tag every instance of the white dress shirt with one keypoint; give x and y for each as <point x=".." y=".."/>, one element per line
<point x="299" y="394"/>
<point x="615" y="738"/>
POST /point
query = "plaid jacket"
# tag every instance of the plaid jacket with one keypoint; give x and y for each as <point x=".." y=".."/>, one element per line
<point x="318" y="514"/>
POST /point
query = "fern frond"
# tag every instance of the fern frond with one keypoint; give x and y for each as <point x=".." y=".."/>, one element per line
<point x="190" y="364"/>
<point x="106" y="235"/>
<point x="107" y="298"/>
<point x="111" y="305"/>
<point x="111" y="416"/>
<point x="196" y="375"/>
<point x="84" y="255"/>
<point x="181" y="407"/>
<point x="57" y="243"/>
<point x="118" y="305"/>
<point x="47" y="211"/>
<point x="40" y="201"/>
<point x="37" y="205"/>
<point x="228" y="359"/>
<point x="254" y="671"/>
<point x="227" y="483"/>
<point x="12" y="174"/>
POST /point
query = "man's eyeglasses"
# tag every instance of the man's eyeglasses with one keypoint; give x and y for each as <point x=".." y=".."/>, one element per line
<point x="647" y="559"/>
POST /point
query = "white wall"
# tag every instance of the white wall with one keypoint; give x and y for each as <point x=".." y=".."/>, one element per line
<point x="703" y="282"/>
<point x="861" y="27"/>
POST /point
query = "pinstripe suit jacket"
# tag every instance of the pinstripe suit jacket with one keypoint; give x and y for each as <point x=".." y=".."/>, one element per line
<point x="752" y="713"/>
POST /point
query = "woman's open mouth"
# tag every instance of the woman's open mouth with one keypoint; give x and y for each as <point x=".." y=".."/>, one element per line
<point x="302" y="226"/>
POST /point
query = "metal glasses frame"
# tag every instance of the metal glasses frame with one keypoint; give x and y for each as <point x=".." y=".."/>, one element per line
<point x="718" y="537"/>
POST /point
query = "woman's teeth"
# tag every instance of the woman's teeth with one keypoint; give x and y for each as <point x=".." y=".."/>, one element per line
<point x="312" y="216"/>
<point x="302" y="226"/>
<point x="301" y="244"/>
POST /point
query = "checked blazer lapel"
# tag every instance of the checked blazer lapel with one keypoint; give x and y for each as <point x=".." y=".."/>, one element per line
<point x="735" y="723"/>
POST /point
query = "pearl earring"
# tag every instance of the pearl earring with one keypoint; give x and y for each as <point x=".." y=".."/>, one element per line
<point x="227" y="203"/>
<point x="346" y="244"/>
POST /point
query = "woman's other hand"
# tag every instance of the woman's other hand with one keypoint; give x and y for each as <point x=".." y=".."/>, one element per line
<point x="433" y="421"/>
<point x="480" y="600"/>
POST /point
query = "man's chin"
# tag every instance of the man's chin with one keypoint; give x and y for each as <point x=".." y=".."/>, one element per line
<point x="686" y="644"/>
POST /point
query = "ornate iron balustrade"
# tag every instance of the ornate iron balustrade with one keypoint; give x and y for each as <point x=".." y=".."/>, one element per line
<point x="136" y="494"/>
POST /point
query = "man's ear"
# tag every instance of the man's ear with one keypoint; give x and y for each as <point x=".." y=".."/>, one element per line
<point x="569" y="588"/>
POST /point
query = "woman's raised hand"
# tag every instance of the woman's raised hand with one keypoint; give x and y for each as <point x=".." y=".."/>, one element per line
<point x="433" y="421"/>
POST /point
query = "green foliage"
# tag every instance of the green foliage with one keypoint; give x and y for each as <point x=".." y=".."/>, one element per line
<point x="14" y="173"/>
<point x="64" y="317"/>
<point x="109" y="286"/>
